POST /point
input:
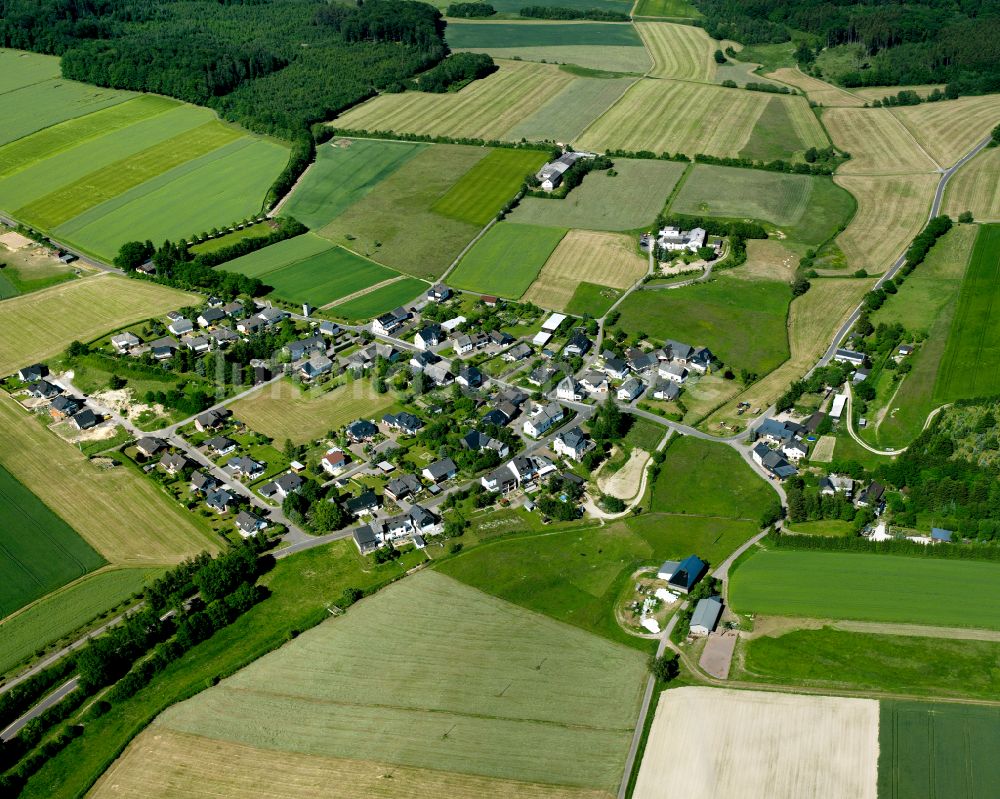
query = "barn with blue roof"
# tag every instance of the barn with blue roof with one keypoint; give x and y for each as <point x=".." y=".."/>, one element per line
<point x="688" y="573"/>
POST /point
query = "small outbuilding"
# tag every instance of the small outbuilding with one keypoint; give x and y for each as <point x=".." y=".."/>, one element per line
<point x="706" y="615"/>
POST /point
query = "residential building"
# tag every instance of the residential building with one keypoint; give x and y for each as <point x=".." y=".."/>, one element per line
<point x="248" y="524"/>
<point x="210" y="316"/>
<point x="424" y="359"/>
<point x="328" y="328"/>
<point x="678" y="351"/>
<point x="497" y="416"/>
<point x="43" y="389"/>
<point x="33" y="373"/>
<point x="594" y="382"/>
<point x="543" y="420"/>
<point x="124" y="342"/>
<point x="674" y="239"/>
<point x="572" y="444"/>
<point x="288" y="483"/>
<point x="673" y="372"/>
<point x="303" y="347"/>
<point x="245" y="468"/>
<point x="219" y="500"/>
<point x="148" y="446"/>
<point x="441" y="470"/>
<point x="404" y="422"/>
<point x="469" y="377"/>
<point x="541" y="375"/>
<point x="333" y="462"/>
<point x="689" y="572"/>
<point x="223" y="336"/>
<point x="849" y="356"/>
<point x="837" y="484"/>
<point x="174" y="464"/>
<point x="630" y="389"/>
<point x="550" y="176"/>
<point x="389" y="323"/>
<point x="439" y="374"/>
<point x="316" y="366"/>
<point x="233" y="310"/>
<point x="406" y="485"/>
<point x="667" y="391"/>
<point x="272" y="316"/>
<point x="84" y="419"/>
<point x="578" y="345"/>
<point x="64" y="406"/>
<point x="197" y="344"/>
<point x="366" y="502"/>
<point x="616" y="368"/>
<point x="569" y="390"/>
<point x="361" y="430"/>
<point x="873" y="496"/>
<point x="180" y="326"/>
<point x="701" y="360"/>
<point x="462" y="344"/>
<point x="517" y="353"/>
<point x="212" y="419"/>
<point x="365" y="540"/>
<point x="428" y="337"/>
<point x="202" y="482"/>
<point x="439" y="292"/>
<point x="501" y="479"/>
<point x="220" y="445"/>
<point x="163" y="348"/>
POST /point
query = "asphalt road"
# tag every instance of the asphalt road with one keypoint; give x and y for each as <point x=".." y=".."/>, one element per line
<point x="54" y="698"/>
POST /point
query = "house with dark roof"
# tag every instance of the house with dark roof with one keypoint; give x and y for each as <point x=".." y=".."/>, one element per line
<point x="439" y="471"/>
<point x="630" y="389"/>
<point x="288" y="483"/>
<point x="43" y="389"/>
<point x="500" y="479"/>
<point x="543" y="419"/>
<point x="365" y="540"/>
<point x="390" y="322"/>
<point x="666" y="391"/>
<point x="220" y="445"/>
<point x="212" y="419"/>
<point x="306" y="346"/>
<point x="429" y="336"/>
<point x="174" y="464"/>
<point x="316" y="366"/>
<point x="202" y="482"/>
<point x="361" y="430"/>
<point x="219" y="501"/>
<point x="210" y="316"/>
<point x="366" y="502"/>
<point x="688" y="573"/>
<point x="772" y="462"/>
<point x="439" y="374"/>
<point x="163" y="349"/>
<point x="406" y="485"/>
<point x="123" y="342"/>
<point x="569" y="390"/>
<point x="30" y="374"/>
<point x="701" y="359"/>
<point x="497" y="417"/>
<point x="873" y="496"/>
<point x="148" y="446"/>
<point x="439" y="292"/>
<point x="616" y="368"/>
<point x="578" y="345"/>
<point x="849" y="356"/>
<point x="470" y="377"/>
<point x="706" y="615"/>
<point x="84" y="419"/>
<point x="181" y="326"/>
<point x="245" y="468"/>
<point x="517" y="353"/>
<point x="248" y="524"/>
<point x="420" y="360"/>
<point x="64" y="406"/>
<point x="572" y="444"/>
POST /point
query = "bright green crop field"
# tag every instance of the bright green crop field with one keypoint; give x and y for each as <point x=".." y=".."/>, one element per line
<point x="971" y="363"/>
<point x="706" y="479"/>
<point x="65" y="611"/>
<point x="681" y="9"/>
<point x="341" y="175"/>
<point x="40" y="551"/>
<point x="326" y="277"/>
<point x="379" y="301"/>
<point x="224" y="186"/>
<point x="868" y="587"/>
<point x="425" y="663"/>
<point x="945" y="751"/>
<point x="590" y="298"/>
<point x="718" y="315"/>
<point x="626" y="201"/>
<point x="808" y="209"/>
<point x="278" y="256"/>
<point x="507" y="259"/>
<point x="489" y="185"/>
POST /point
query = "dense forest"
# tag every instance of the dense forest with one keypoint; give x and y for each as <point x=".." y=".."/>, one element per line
<point x="920" y="41"/>
<point x="274" y="66"/>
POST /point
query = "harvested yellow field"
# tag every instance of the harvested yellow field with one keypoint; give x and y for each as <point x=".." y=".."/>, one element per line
<point x="681" y="117"/>
<point x="124" y="516"/>
<point x="819" y="91"/>
<point x="485" y="109"/>
<point x="36" y="326"/>
<point x="950" y="128"/>
<point x="679" y="51"/>
<point x="586" y="256"/>
<point x="891" y="211"/>
<point x="813" y="319"/>
<point x="975" y="188"/>
<point x="707" y="743"/>
<point x="878" y="142"/>
<point x="162" y="764"/>
<point x="767" y="259"/>
<point x="285" y="410"/>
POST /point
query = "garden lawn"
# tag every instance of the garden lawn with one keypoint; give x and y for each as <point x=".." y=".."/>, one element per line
<point x="489" y="185"/>
<point x="380" y="301"/>
<point x="41" y="551"/>
<point x="718" y="315"/>
<point x="326" y="277"/>
<point x="425" y="662"/>
<point x="222" y="187"/>
<point x="285" y="410"/>
<point x="971" y="362"/>
<point x="64" y="611"/>
<point x="507" y="259"/>
<point x="629" y="200"/>
<point x="843" y="659"/>
<point x="345" y="170"/>
<point x="394" y="224"/>
<point x="64" y="162"/>
<point x="707" y="479"/>
<point x="947" y="751"/>
<point x="278" y="256"/>
<point x="868" y="587"/>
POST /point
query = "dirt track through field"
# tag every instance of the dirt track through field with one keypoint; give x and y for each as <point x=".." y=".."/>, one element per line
<point x="709" y="743"/>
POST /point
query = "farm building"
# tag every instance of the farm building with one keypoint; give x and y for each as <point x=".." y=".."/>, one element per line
<point x="706" y="615"/>
<point x="838" y="406"/>
<point x="849" y="356"/>
<point x="674" y="239"/>
<point x="667" y="569"/>
<point x="550" y="176"/>
<point x="689" y="572"/>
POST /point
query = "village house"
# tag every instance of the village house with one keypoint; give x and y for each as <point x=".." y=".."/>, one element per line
<point x="328" y="328"/>
<point x="421" y="360"/>
<point x="572" y="444"/>
<point x="366" y="502"/>
<point x="872" y="496"/>
<point x="64" y="406"/>
<point x="219" y="500"/>
<point x="180" y="326"/>
<point x="550" y="176"/>
<point x="174" y="464"/>
<point x="543" y="419"/>
<point x="517" y="353"/>
<point x="272" y="316"/>
<point x="248" y="524"/>
<point x="43" y="389"/>
<point x="252" y="325"/>
<point x="849" y="356"/>
<point x="439" y="292"/>
<point x="361" y="430"/>
<point x="499" y="416"/>
<point x="220" y="445"/>
<point x="84" y="419"/>
<point x="303" y="347"/>
<point x="441" y="470"/>
<point x="667" y="391"/>
<point x="197" y="344"/>
<point x="124" y="342"/>
<point x="772" y="462"/>
<point x="316" y="366"/>
<point x="212" y="419"/>
<point x="288" y="483"/>
<point x="706" y="615"/>
<point x="500" y="479"/>
<point x="630" y="389"/>
<point x="148" y="446"/>
<point x="673" y="372"/>
<point x="439" y="374"/>
<point x="234" y="310"/>
<point x="163" y="349"/>
<point x="578" y="345"/>
<point x="333" y="462"/>
<point x="210" y="316"/>
<point x="476" y="441"/>
<point x="541" y="375"/>
<point x="403" y="422"/>
<point x="594" y="382"/>
<point x="202" y="482"/>
<point x="837" y="484"/>
<point x="469" y="377"/>
<point x="673" y="239"/>
<point x="389" y="323"/>
<point x="498" y="338"/>
<point x="687" y="574"/>
<point x="30" y="374"/>
<point x="569" y="390"/>
<point x="245" y="468"/>
<point x="462" y="344"/>
<point x="223" y="336"/>
<point x="428" y="337"/>
<point x="406" y="485"/>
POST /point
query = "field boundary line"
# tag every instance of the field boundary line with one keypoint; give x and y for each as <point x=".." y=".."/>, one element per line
<point x="903" y="125"/>
<point x="362" y="292"/>
<point x="466" y="249"/>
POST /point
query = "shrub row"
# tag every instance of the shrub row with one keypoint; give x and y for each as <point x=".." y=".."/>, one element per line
<point x="287" y="228"/>
<point x="890" y="547"/>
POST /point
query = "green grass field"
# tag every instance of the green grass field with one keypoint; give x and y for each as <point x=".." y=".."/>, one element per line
<point x="377" y="302"/>
<point x="278" y="256"/>
<point x="424" y="663"/>
<point x="776" y="134"/>
<point x="590" y="298"/>
<point x="568" y="114"/>
<point x="718" y="315"/>
<point x="41" y="551"/>
<point x="834" y="528"/>
<point x="219" y="188"/>
<point x="41" y="177"/>
<point x="394" y="224"/>
<point x="868" y="587"/>
<point x="666" y="8"/>
<point x="327" y="277"/>
<point x="229" y="238"/>
<point x="706" y="479"/>
<point x="808" y="209"/>
<point x="117" y="178"/>
<point x="18" y="68"/>
<point x="513" y="6"/>
<point x="837" y="659"/>
<point x="341" y="175"/>
<point x="507" y="259"/>
<point x="489" y="185"/>
<point x="925" y="303"/>
<point x="944" y="751"/>
<point x="481" y="37"/>
<point x="970" y="366"/>
<point x="58" y="138"/>
<point x="39" y="105"/>
<point x="64" y="611"/>
<point x="630" y="200"/>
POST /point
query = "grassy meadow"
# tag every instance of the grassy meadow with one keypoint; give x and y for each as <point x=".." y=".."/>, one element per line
<point x="507" y="259"/>
<point x="867" y="587"/>
<point x="878" y="143"/>
<point x="626" y="201"/>
<point x="717" y="315"/>
<point x="394" y="223"/>
<point x="345" y="170"/>
<point x="62" y="612"/>
<point x="120" y="513"/>
<point x="285" y="410"/>
<point x="380" y="300"/>
<point x="567" y="115"/>
<point x="424" y="663"/>
<point x="41" y="325"/>
<point x="592" y="299"/>
<point x="278" y="256"/>
<point x="948" y="130"/>
<point x="972" y="355"/>
<point x="482" y="36"/>
<point x="41" y="551"/>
